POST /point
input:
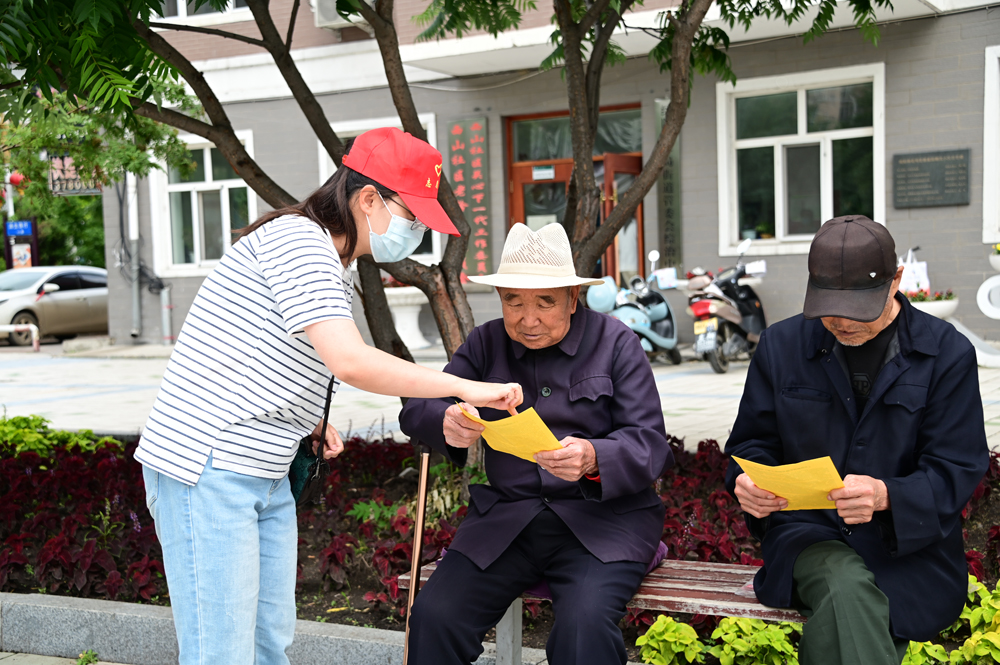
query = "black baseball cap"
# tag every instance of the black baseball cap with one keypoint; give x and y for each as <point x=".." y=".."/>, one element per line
<point x="852" y="262"/>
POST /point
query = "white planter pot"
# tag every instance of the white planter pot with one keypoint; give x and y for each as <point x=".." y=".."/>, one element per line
<point x="995" y="261"/>
<point x="405" y="303"/>
<point x="942" y="309"/>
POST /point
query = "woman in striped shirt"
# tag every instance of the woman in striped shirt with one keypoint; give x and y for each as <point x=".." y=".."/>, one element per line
<point x="247" y="380"/>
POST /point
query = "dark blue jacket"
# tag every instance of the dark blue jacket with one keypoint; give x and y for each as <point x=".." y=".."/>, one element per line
<point x="595" y="384"/>
<point x="921" y="432"/>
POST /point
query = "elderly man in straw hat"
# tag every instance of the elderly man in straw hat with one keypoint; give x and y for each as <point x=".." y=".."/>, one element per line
<point x="584" y="518"/>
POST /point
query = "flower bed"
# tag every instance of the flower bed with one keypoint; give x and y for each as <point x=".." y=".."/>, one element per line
<point x="73" y="521"/>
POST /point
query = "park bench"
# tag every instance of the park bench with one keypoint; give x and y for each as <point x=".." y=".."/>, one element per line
<point x="691" y="587"/>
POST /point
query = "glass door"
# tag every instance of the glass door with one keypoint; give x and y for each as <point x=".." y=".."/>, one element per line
<point x="539" y="192"/>
<point x="539" y="158"/>
<point x="624" y="257"/>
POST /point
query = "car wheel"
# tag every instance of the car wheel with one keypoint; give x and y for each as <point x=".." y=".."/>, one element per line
<point x="23" y="338"/>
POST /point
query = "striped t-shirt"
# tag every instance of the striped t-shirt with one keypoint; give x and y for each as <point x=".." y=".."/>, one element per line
<point x="243" y="382"/>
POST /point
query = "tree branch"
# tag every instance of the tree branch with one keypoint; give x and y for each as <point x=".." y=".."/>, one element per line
<point x="291" y="24"/>
<point x="219" y="130"/>
<point x="387" y="38"/>
<point x="376" y="16"/>
<point x="161" y="47"/>
<point x="686" y="26"/>
<point x="593" y="14"/>
<point x="301" y="91"/>
<point x="180" y="27"/>
<point x="584" y="218"/>
<point x="377" y="311"/>
<point x="598" y="57"/>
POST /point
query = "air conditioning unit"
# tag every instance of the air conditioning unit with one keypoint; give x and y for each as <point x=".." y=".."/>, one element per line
<point x="327" y="16"/>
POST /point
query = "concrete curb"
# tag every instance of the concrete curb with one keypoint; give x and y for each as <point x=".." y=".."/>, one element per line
<point x="144" y="634"/>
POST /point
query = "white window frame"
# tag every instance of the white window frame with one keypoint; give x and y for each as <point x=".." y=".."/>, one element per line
<point x="230" y="14"/>
<point x="350" y="128"/>
<point x="726" y="95"/>
<point x="991" y="147"/>
<point x="159" y="205"/>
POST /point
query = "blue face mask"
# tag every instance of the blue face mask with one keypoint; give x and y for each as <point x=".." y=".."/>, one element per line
<point x="399" y="240"/>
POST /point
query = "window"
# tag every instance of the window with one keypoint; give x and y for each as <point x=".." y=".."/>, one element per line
<point x="195" y="215"/>
<point x="184" y="11"/>
<point x="93" y="280"/>
<point x="797" y="150"/>
<point x="991" y="147"/>
<point x="67" y="281"/>
<point x="431" y="248"/>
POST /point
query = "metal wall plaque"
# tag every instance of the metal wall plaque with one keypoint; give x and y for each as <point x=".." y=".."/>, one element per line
<point x="927" y="179"/>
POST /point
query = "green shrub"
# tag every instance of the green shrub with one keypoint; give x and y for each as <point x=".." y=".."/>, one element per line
<point x="667" y="641"/>
<point x="20" y="434"/>
<point x="753" y="642"/>
<point x="921" y="653"/>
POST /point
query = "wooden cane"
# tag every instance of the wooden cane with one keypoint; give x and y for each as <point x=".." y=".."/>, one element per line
<point x="418" y="538"/>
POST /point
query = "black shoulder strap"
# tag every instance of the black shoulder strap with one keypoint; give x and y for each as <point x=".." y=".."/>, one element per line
<point x="326" y="410"/>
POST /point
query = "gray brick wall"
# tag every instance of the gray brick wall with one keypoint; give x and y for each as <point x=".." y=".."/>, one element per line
<point x="934" y="101"/>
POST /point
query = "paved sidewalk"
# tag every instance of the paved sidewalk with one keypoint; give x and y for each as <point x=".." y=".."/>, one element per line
<point x="113" y="394"/>
<point x="28" y="659"/>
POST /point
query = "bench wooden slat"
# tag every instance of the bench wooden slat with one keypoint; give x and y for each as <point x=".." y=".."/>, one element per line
<point x="691" y="587"/>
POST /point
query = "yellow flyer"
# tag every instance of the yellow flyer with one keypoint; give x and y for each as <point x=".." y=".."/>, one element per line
<point x="804" y="485"/>
<point x="522" y="435"/>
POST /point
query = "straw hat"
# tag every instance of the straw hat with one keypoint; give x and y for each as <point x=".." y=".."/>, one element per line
<point x="535" y="260"/>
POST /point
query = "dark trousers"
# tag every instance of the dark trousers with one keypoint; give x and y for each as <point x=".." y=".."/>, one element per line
<point x="848" y="614"/>
<point x="460" y="602"/>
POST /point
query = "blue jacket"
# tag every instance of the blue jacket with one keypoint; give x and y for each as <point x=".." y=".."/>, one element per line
<point x="595" y="384"/>
<point x="921" y="432"/>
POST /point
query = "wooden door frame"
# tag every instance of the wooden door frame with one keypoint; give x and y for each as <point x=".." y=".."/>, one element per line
<point x="622" y="163"/>
<point x="510" y="164"/>
<point x="521" y="174"/>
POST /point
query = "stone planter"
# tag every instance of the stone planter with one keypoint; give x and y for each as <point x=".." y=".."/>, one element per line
<point x="995" y="261"/>
<point x="405" y="303"/>
<point x="942" y="309"/>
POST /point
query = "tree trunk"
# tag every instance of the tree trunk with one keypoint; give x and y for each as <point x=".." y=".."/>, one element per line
<point x="588" y="249"/>
<point x="441" y="284"/>
<point x="377" y="312"/>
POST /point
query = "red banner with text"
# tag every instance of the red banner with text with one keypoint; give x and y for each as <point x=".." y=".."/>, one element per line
<point x="469" y="158"/>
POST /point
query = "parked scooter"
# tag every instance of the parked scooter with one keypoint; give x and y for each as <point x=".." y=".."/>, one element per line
<point x="642" y="309"/>
<point x="728" y="316"/>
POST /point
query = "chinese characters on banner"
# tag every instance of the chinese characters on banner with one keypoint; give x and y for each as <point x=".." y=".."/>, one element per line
<point x="469" y="159"/>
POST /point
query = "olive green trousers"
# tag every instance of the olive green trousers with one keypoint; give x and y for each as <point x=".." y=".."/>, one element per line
<point x="848" y="615"/>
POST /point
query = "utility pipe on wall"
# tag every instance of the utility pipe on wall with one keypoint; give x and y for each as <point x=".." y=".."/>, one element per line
<point x="166" y="321"/>
<point x="132" y="199"/>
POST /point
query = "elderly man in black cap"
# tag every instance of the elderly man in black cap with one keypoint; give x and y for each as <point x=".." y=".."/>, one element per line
<point x="892" y="396"/>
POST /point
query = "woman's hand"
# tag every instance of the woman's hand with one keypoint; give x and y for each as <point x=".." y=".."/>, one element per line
<point x="499" y="396"/>
<point x="333" y="446"/>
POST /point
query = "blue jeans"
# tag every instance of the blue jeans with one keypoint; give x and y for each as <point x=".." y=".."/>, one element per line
<point x="229" y="549"/>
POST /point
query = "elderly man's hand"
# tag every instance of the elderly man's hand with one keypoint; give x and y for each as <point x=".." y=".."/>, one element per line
<point x="575" y="459"/>
<point x="459" y="431"/>
<point x="859" y="498"/>
<point x="759" y="503"/>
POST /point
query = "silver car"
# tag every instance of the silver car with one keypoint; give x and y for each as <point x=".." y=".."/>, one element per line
<point x="63" y="301"/>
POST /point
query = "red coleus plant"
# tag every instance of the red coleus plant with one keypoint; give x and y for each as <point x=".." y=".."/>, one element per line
<point x="74" y="522"/>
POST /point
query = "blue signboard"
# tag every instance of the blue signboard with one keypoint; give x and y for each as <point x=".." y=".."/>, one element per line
<point x="18" y="227"/>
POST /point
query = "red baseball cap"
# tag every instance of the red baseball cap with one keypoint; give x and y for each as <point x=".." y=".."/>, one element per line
<point x="406" y="165"/>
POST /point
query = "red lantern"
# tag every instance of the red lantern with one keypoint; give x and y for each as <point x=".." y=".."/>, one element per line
<point x="16" y="179"/>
